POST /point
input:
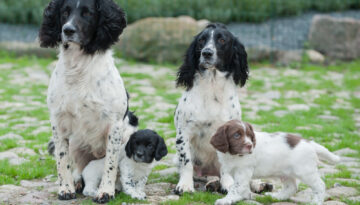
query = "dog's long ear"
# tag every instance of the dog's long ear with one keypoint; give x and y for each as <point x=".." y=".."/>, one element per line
<point x="186" y="73"/>
<point x="220" y="140"/>
<point x="50" y="30"/>
<point x="239" y="63"/>
<point x="128" y="147"/>
<point x="250" y="132"/>
<point x="161" y="149"/>
<point x="111" y="24"/>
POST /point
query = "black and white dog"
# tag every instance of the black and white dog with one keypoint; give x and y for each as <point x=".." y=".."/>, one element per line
<point x="86" y="96"/>
<point x="135" y="164"/>
<point x="214" y="68"/>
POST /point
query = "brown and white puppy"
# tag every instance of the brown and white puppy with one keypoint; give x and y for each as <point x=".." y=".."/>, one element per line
<point x="246" y="154"/>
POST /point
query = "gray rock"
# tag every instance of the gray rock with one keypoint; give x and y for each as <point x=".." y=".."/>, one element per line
<point x="315" y="57"/>
<point x="13" y="158"/>
<point x="348" y="180"/>
<point x="342" y="37"/>
<point x="328" y="170"/>
<point x="328" y="117"/>
<point x="302" y="196"/>
<point x="252" y="202"/>
<point x="11" y="136"/>
<point x="296" y="107"/>
<point x="158" y="189"/>
<point x="342" y="191"/>
<point x="283" y="203"/>
<point x="345" y="151"/>
<point x="280" y="113"/>
<point x="334" y="203"/>
<point x="355" y="198"/>
<point x="157" y="199"/>
<point x="287" y="57"/>
<point x="159" y="39"/>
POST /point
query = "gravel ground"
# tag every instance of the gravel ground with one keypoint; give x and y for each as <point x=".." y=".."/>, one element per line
<point x="289" y="33"/>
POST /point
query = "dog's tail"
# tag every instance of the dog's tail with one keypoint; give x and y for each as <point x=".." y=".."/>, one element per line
<point x="51" y="147"/>
<point x="324" y="154"/>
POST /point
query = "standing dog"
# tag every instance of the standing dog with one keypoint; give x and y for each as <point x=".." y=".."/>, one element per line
<point x="86" y="96"/>
<point x="215" y="65"/>
<point x="245" y="154"/>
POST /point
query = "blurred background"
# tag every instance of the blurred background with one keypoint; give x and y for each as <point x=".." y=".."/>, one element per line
<point x="274" y="30"/>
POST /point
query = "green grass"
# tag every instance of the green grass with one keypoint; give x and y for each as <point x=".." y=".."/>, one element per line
<point x="334" y="134"/>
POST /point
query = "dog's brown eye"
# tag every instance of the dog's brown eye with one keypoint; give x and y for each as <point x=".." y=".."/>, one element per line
<point x="221" y="40"/>
<point x="86" y="14"/>
<point x="66" y="14"/>
<point x="236" y="135"/>
<point x="201" y="41"/>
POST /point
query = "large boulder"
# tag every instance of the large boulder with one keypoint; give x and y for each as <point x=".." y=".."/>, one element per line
<point x="159" y="39"/>
<point x="337" y="38"/>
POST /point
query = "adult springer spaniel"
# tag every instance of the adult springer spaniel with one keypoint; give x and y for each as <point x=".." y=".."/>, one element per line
<point x="246" y="154"/>
<point x="87" y="99"/>
<point x="215" y="65"/>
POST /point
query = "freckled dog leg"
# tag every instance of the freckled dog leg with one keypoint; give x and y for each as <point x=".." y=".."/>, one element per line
<point x="67" y="189"/>
<point x="186" y="183"/>
<point x="106" y="190"/>
<point x="226" y="179"/>
<point x="239" y="190"/>
<point x="128" y="181"/>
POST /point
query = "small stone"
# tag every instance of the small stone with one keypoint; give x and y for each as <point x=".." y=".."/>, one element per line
<point x="328" y="170"/>
<point x="283" y="203"/>
<point x="355" y="198"/>
<point x="297" y="107"/>
<point x="11" y="136"/>
<point x="345" y="151"/>
<point x="23" y="150"/>
<point x="158" y="189"/>
<point x="252" y="202"/>
<point x="328" y="117"/>
<point x="334" y="203"/>
<point x="272" y="95"/>
<point x="280" y="113"/>
<point x="167" y="172"/>
<point x="315" y="57"/>
<point x="303" y="196"/>
<point x="32" y="184"/>
<point x="342" y="191"/>
<point x="157" y="199"/>
<point x="348" y="180"/>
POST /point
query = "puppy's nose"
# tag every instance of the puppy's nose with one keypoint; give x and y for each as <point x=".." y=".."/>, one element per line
<point x="139" y="154"/>
<point x="207" y="53"/>
<point x="248" y="146"/>
<point x="69" y="30"/>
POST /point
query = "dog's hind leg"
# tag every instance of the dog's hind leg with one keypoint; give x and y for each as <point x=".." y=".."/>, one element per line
<point x="317" y="186"/>
<point x="289" y="188"/>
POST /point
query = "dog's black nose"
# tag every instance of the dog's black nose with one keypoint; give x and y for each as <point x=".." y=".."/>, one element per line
<point x="69" y="30"/>
<point x="207" y="53"/>
<point x="139" y="154"/>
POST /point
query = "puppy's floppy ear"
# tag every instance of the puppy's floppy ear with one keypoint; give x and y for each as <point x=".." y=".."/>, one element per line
<point x="239" y="63"/>
<point x="220" y="140"/>
<point x="50" y="30"/>
<point x="250" y="132"/>
<point x="161" y="149"/>
<point x="186" y="73"/>
<point x="128" y="147"/>
<point x="111" y="24"/>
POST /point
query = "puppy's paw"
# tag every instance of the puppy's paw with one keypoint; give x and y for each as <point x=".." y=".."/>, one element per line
<point x="223" y="191"/>
<point x="79" y="186"/>
<point x="89" y="192"/>
<point x="103" y="198"/>
<point x="66" y="195"/>
<point x="184" y="186"/>
<point x="223" y="201"/>
<point x="213" y="186"/>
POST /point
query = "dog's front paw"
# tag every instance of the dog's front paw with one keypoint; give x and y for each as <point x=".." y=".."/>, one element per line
<point x="79" y="186"/>
<point x="66" y="195"/>
<point x="223" y="201"/>
<point x="183" y="186"/>
<point x="223" y="191"/>
<point x="103" y="198"/>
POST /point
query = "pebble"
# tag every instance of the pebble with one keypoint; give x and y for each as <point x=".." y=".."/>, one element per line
<point x="342" y="191"/>
<point x="334" y="203"/>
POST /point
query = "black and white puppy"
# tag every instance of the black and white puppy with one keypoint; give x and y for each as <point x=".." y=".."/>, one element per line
<point x="136" y="162"/>
<point x="215" y="67"/>
<point x="86" y="96"/>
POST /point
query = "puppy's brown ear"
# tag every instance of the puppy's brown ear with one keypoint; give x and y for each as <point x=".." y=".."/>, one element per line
<point x="219" y="141"/>
<point x="250" y="132"/>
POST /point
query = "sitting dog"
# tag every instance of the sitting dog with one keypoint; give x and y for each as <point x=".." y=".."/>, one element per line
<point x="246" y="154"/>
<point x="136" y="162"/>
<point x="86" y="97"/>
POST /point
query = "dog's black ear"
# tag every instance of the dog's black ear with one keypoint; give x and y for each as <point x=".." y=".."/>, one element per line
<point x="186" y="73"/>
<point x="50" y="30"/>
<point x="161" y="149"/>
<point x="239" y="63"/>
<point x="111" y="24"/>
<point x="128" y="147"/>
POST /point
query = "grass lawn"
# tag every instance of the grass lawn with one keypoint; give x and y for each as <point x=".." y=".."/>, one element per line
<point x="316" y="102"/>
